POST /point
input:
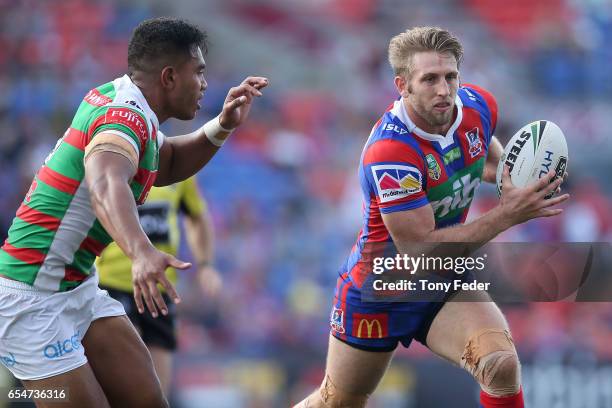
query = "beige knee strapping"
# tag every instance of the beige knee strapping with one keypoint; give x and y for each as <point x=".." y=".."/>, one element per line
<point x="491" y="358"/>
<point x="333" y="397"/>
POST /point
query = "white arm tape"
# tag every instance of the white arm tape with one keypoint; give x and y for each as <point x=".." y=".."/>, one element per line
<point x="216" y="133"/>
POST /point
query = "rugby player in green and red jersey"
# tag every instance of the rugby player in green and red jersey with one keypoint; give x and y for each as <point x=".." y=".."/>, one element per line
<point x="57" y="329"/>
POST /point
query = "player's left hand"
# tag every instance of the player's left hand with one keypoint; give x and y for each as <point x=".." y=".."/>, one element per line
<point x="238" y="101"/>
<point x="149" y="270"/>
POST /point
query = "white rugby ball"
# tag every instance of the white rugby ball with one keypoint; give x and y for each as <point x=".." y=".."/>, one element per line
<point x="532" y="152"/>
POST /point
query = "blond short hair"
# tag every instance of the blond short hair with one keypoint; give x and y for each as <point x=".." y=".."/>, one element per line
<point x="419" y="39"/>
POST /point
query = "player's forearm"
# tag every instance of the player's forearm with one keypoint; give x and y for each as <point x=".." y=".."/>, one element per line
<point x="481" y="230"/>
<point x="472" y="235"/>
<point x="187" y="154"/>
<point x="200" y="238"/>
<point x="113" y="203"/>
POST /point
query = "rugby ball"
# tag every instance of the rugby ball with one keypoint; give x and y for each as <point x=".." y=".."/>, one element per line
<point x="532" y="152"/>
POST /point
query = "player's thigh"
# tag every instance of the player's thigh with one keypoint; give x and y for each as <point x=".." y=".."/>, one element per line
<point x="122" y="364"/>
<point x="162" y="360"/>
<point x="355" y="371"/>
<point x="452" y="327"/>
<point x="81" y="387"/>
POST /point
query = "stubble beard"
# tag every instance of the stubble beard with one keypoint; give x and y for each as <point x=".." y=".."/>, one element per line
<point x="433" y="119"/>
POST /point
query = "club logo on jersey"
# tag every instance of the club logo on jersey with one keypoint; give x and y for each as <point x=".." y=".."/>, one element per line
<point x="433" y="168"/>
<point x="395" y="181"/>
<point x="475" y="145"/>
<point x="336" y="320"/>
<point x="370" y="326"/>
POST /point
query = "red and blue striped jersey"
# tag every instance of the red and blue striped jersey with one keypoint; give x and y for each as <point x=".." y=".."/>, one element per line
<point x="403" y="168"/>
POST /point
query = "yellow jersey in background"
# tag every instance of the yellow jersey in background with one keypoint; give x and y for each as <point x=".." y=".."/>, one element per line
<point x="159" y="220"/>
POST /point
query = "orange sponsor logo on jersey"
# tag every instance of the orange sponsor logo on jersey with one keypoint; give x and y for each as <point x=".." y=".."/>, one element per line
<point x="370" y="326"/>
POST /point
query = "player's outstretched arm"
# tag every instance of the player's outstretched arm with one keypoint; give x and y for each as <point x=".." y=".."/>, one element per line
<point x="107" y="174"/>
<point x="516" y="206"/>
<point x="182" y="156"/>
<point x="200" y="237"/>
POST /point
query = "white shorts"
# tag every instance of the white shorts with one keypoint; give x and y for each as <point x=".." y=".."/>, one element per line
<point x="41" y="332"/>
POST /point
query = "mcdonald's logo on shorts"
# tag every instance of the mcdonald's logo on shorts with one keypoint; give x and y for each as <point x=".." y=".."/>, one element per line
<point x="370" y="326"/>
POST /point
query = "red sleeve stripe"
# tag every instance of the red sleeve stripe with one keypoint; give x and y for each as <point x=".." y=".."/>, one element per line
<point x="146" y="179"/>
<point x="76" y="138"/>
<point x="391" y="151"/>
<point x="93" y="246"/>
<point x="58" y="181"/>
<point x="377" y="231"/>
<point x="143" y="176"/>
<point x="35" y="217"/>
<point x="153" y="133"/>
<point x="29" y="256"/>
<point x="72" y="274"/>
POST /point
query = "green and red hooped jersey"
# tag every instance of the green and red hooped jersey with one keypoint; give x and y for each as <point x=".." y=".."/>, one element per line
<point x="55" y="237"/>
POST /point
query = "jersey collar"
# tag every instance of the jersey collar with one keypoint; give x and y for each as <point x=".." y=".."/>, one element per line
<point x="399" y="111"/>
<point x="133" y="94"/>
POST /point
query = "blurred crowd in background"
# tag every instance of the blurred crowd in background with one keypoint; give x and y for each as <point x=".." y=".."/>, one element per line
<point x="283" y="192"/>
